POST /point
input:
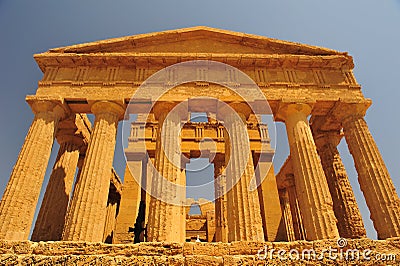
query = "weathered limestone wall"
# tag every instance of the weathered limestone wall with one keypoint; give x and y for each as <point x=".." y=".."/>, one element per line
<point x="236" y="253"/>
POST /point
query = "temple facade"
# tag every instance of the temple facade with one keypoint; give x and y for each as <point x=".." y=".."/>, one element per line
<point x="312" y="90"/>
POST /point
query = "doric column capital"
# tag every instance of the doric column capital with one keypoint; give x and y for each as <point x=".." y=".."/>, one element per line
<point x="288" y="110"/>
<point x="162" y="109"/>
<point x="293" y="114"/>
<point x="74" y="139"/>
<point x="323" y="138"/>
<point x="107" y="107"/>
<point x="39" y="107"/>
<point x="45" y="105"/>
<point x="345" y="112"/>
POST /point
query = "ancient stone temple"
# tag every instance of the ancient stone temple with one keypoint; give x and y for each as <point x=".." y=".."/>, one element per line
<point x="312" y="90"/>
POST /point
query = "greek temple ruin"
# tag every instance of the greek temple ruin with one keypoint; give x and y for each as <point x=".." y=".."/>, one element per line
<point x="312" y="90"/>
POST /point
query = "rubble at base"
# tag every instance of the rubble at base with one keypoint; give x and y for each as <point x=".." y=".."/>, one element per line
<point x="236" y="253"/>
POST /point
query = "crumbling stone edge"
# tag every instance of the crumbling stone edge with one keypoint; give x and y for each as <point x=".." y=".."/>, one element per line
<point x="160" y="253"/>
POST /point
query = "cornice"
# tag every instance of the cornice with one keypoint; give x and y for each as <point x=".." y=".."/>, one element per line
<point x="340" y="61"/>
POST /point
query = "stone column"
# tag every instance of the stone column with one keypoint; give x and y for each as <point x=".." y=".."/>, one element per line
<point x="51" y="218"/>
<point x="221" y="223"/>
<point x="269" y="199"/>
<point x="244" y="216"/>
<point x="373" y="176"/>
<point x="112" y="206"/>
<point x="110" y="222"/>
<point x="140" y="223"/>
<point x="87" y="213"/>
<point x="167" y="212"/>
<point x="20" y="198"/>
<point x="81" y="160"/>
<point x="130" y="199"/>
<point x="287" y="215"/>
<point x="298" y="228"/>
<point x="350" y="224"/>
<point x="210" y="228"/>
<point x="312" y="189"/>
<point x="149" y="172"/>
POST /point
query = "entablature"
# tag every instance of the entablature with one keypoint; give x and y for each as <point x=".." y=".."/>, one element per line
<point x="162" y="60"/>
<point x="262" y="76"/>
<point x="79" y="99"/>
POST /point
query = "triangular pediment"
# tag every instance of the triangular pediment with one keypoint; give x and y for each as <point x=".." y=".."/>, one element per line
<point x="196" y="40"/>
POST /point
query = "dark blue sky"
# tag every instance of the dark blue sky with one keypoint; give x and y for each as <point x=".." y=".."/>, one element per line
<point x="367" y="29"/>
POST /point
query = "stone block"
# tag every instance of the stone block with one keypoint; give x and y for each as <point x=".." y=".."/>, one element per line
<point x="159" y="248"/>
<point x="239" y="260"/>
<point x="203" y="260"/>
<point x="213" y="249"/>
<point x="246" y="248"/>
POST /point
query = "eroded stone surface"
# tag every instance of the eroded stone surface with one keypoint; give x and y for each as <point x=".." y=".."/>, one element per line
<point x="237" y="253"/>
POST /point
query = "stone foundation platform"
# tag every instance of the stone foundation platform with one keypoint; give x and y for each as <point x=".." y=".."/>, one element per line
<point x="371" y="252"/>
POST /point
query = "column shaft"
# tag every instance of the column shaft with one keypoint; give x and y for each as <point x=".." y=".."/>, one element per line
<point x="167" y="212"/>
<point x="129" y="207"/>
<point x="244" y="216"/>
<point x="20" y="197"/>
<point x="298" y="227"/>
<point x="51" y="218"/>
<point x="287" y="215"/>
<point x="109" y="226"/>
<point x="373" y="176"/>
<point x="149" y="172"/>
<point x="269" y="200"/>
<point x="312" y="189"/>
<point x="87" y="214"/>
<point x="221" y="224"/>
<point x="350" y="224"/>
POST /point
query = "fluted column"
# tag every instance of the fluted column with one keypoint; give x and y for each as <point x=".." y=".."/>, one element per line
<point x="268" y="196"/>
<point x="51" y="218"/>
<point x="111" y="213"/>
<point x="312" y="189"/>
<point x="221" y="224"/>
<point x="81" y="160"/>
<point x="19" y="201"/>
<point x="149" y="179"/>
<point x="350" y="223"/>
<point x="244" y="216"/>
<point x="373" y="176"/>
<point x="298" y="228"/>
<point x="87" y="213"/>
<point x="167" y="213"/>
<point x="287" y="215"/>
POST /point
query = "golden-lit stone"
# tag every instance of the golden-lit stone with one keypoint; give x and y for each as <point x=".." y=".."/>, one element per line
<point x="309" y="199"/>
